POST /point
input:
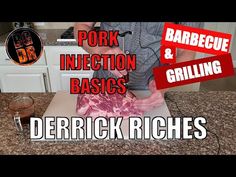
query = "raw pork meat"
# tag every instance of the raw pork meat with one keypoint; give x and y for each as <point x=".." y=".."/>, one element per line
<point x="105" y="105"/>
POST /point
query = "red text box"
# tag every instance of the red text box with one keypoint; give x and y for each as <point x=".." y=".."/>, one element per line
<point x="195" y="39"/>
<point x="168" y="54"/>
<point x="193" y="71"/>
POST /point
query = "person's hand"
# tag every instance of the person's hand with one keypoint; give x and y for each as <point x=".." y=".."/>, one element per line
<point x="115" y="51"/>
<point x="154" y="100"/>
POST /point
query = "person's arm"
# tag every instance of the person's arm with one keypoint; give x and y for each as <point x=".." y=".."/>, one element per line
<point x="156" y="97"/>
<point x="87" y="26"/>
<point x="185" y="55"/>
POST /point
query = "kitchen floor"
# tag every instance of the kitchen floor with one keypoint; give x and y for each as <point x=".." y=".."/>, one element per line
<point x="224" y="84"/>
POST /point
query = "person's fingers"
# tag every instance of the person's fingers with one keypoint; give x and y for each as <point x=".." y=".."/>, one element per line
<point x="163" y="90"/>
<point x="150" y="104"/>
<point x="152" y="86"/>
<point x="155" y="96"/>
<point x="131" y="95"/>
<point x="117" y="51"/>
<point x="155" y="100"/>
<point x="152" y="89"/>
<point x="113" y="51"/>
<point x="149" y="100"/>
<point x="123" y="72"/>
<point x="116" y="73"/>
<point x="146" y="108"/>
<point x="153" y="103"/>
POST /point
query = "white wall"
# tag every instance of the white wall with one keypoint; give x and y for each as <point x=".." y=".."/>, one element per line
<point x="226" y="27"/>
<point x="53" y="25"/>
<point x="233" y="47"/>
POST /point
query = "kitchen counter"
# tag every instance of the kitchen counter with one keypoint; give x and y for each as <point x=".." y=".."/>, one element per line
<point x="48" y="36"/>
<point x="218" y="107"/>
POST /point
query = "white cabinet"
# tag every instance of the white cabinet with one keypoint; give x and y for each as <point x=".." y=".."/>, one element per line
<point x="14" y="78"/>
<point x="22" y="79"/>
<point x="42" y="76"/>
<point x="60" y="80"/>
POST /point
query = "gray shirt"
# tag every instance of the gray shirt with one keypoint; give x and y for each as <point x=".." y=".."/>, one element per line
<point x="144" y="41"/>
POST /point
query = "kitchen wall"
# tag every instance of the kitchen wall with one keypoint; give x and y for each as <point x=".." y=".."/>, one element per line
<point x="226" y="27"/>
<point x="233" y="47"/>
<point x="54" y="25"/>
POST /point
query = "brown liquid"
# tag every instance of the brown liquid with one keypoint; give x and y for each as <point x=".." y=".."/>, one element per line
<point x="24" y="107"/>
<point x="25" y="115"/>
<point x="25" y="119"/>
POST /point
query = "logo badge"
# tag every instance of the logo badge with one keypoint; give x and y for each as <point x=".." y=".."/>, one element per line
<point x="24" y="46"/>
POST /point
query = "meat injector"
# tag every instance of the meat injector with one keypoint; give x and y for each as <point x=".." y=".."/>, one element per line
<point x="128" y="93"/>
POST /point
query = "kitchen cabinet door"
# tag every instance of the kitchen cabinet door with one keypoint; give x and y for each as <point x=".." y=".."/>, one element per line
<point x="24" y="79"/>
<point x="60" y="80"/>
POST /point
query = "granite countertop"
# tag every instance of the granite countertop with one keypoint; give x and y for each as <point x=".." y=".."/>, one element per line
<point x="218" y="107"/>
<point x="48" y="36"/>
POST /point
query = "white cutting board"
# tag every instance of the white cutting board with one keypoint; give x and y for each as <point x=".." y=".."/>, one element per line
<point x="64" y="104"/>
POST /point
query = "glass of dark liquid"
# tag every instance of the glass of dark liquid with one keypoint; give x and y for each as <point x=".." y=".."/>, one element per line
<point x="21" y="108"/>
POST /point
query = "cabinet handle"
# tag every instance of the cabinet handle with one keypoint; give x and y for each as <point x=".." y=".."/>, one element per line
<point x="45" y="82"/>
<point x="7" y="59"/>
